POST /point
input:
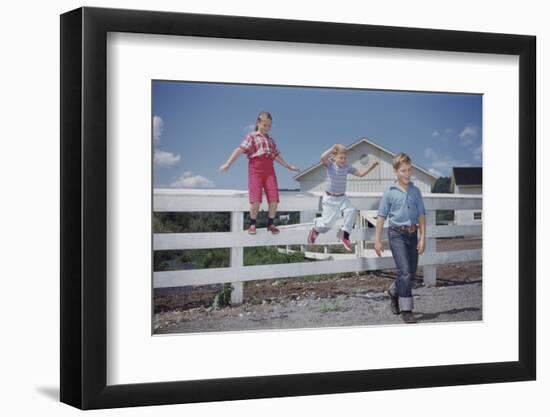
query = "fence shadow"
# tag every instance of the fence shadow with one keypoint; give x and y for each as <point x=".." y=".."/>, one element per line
<point x="431" y="316"/>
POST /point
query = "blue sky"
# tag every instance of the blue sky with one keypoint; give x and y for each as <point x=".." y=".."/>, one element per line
<point x="196" y="126"/>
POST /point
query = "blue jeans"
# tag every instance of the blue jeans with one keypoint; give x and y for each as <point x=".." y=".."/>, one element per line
<point x="403" y="248"/>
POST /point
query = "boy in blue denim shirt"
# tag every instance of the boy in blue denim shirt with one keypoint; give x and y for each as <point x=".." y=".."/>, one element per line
<point x="403" y="206"/>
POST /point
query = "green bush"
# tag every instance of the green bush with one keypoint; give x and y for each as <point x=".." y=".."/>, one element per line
<point x="268" y="255"/>
<point x="193" y="222"/>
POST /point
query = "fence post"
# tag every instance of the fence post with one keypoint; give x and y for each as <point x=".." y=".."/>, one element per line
<point x="237" y="223"/>
<point x="430" y="271"/>
<point x="359" y="224"/>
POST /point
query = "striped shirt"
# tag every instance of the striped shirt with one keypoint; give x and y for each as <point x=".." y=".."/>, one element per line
<point x="256" y="144"/>
<point x="337" y="177"/>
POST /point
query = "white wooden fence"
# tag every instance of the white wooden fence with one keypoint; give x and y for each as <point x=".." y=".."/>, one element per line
<point x="236" y="202"/>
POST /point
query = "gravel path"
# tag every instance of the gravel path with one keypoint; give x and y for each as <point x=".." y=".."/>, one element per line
<point x="432" y="304"/>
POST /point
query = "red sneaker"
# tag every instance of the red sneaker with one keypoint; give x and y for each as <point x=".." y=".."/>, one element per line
<point x="252" y="229"/>
<point x="312" y="235"/>
<point x="347" y="244"/>
<point x="271" y="228"/>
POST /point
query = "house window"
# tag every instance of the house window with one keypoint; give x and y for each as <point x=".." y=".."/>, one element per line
<point x="364" y="159"/>
<point x="477" y="215"/>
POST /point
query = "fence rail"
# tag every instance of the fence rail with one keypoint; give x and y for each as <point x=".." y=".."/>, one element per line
<point x="236" y="202"/>
<point x="172" y="200"/>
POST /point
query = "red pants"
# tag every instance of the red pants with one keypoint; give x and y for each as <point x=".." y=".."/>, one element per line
<point x="261" y="176"/>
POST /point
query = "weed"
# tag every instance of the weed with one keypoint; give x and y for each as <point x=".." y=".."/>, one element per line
<point x="223" y="297"/>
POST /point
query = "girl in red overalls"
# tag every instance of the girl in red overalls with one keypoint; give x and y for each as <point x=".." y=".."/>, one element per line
<point x="261" y="150"/>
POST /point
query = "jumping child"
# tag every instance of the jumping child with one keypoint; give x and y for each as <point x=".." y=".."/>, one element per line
<point x="335" y="200"/>
<point x="261" y="151"/>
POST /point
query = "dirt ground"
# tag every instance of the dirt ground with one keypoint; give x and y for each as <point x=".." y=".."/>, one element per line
<point x="348" y="299"/>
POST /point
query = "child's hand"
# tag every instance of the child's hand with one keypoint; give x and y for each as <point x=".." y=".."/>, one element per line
<point x="421" y="246"/>
<point x="224" y="167"/>
<point x="375" y="164"/>
<point x="378" y="248"/>
<point x="293" y="168"/>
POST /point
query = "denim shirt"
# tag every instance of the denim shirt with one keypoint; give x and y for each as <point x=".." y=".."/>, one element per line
<point x="400" y="207"/>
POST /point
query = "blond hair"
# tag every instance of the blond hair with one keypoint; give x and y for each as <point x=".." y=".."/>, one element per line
<point x="264" y="115"/>
<point x="401" y="158"/>
<point x="338" y="149"/>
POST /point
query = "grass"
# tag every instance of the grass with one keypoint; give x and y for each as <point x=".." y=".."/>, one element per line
<point x="329" y="306"/>
<point x="325" y="277"/>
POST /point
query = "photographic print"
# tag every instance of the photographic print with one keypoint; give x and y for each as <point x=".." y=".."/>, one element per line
<point x="336" y="201"/>
<point x="293" y="207"/>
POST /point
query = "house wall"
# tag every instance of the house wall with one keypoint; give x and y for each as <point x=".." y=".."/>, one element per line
<point x="468" y="189"/>
<point x="466" y="217"/>
<point x="377" y="181"/>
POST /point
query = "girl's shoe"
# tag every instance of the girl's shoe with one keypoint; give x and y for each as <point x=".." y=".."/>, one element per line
<point x="271" y="228"/>
<point x="252" y="229"/>
<point x="312" y="235"/>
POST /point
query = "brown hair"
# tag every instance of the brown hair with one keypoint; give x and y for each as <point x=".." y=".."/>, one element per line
<point x="264" y="115"/>
<point x="401" y="158"/>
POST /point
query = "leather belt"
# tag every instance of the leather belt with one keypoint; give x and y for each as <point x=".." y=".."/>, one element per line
<point x="411" y="229"/>
<point x="334" y="195"/>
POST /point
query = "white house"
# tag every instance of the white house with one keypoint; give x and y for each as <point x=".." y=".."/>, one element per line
<point x="360" y="154"/>
<point x="467" y="180"/>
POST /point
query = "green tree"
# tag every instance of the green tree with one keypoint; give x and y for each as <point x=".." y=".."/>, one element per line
<point x="443" y="185"/>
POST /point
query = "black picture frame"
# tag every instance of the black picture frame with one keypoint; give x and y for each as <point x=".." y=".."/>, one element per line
<point x="83" y="288"/>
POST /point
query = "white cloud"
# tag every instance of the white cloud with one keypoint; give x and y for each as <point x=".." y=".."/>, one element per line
<point x="158" y="127"/>
<point x="188" y="180"/>
<point x="476" y="153"/>
<point x="468" y="134"/>
<point x="444" y="135"/>
<point x="163" y="159"/>
<point x="430" y="153"/>
<point x="447" y="164"/>
<point x="442" y="164"/>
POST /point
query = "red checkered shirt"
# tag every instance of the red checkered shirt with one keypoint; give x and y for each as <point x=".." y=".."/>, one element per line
<point x="256" y="144"/>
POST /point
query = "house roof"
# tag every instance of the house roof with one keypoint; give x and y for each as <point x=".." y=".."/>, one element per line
<point x="467" y="175"/>
<point x="353" y="145"/>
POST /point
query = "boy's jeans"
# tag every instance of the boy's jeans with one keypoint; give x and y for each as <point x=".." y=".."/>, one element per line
<point x="332" y="207"/>
<point x="403" y="248"/>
